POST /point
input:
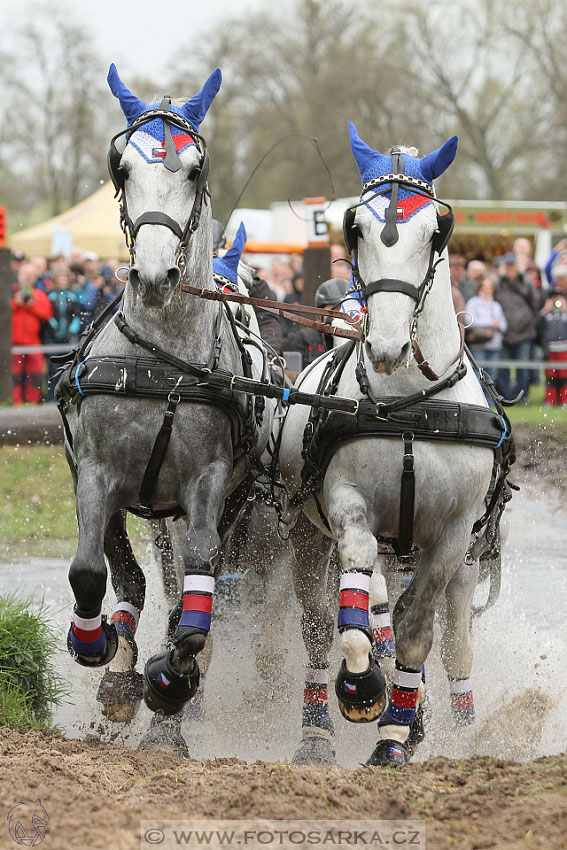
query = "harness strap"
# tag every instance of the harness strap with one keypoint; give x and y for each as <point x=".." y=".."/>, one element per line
<point x="404" y="542"/>
<point x="156" y="217"/>
<point x="391" y="285"/>
<point x="157" y="456"/>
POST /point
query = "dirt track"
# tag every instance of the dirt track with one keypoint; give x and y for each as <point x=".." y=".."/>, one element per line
<point x="96" y="794"/>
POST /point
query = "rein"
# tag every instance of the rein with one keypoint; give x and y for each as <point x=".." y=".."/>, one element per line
<point x="281" y="309"/>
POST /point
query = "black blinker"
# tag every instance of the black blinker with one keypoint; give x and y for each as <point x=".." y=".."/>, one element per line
<point x="445" y="226"/>
<point x="351" y="232"/>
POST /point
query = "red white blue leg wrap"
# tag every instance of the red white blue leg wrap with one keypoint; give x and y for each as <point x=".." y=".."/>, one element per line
<point x="87" y="635"/>
<point x="403" y="699"/>
<point x="316" y="718"/>
<point x="462" y="701"/>
<point x="198" y="590"/>
<point x="383" y="643"/>
<point x="353" y="601"/>
<point x="125" y="617"/>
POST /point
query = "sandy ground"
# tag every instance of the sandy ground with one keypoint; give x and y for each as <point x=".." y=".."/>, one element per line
<point x="97" y="793"/>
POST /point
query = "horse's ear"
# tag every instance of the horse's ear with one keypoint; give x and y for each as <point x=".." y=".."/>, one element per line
<point x="196" y="108"/>
<point x="363" y="153"/>
<point x="234" y="253"/>
<point x="131" y="105"/>
<point x="439" y="161"/>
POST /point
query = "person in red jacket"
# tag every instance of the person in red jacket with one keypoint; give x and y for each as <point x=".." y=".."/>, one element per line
<point x="30" y="307"/>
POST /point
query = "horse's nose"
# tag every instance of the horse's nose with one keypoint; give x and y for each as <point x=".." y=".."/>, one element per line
<point x="384" y="359"/>
<point x="149" y="287"/>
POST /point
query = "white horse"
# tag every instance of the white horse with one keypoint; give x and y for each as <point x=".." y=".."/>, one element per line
<point x="358" y="499"/>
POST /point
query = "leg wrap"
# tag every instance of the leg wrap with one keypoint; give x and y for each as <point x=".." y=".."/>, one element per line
<point x="90" y="640"/>
<point x="403" y="699"/>
<point x="353" y="601"/>
<point x="462" y="702"/>
<point x="383" y="644"/>
<point x="125" y="618"/>
<point x="316" y="718"/>
<point x="198" y="589"/>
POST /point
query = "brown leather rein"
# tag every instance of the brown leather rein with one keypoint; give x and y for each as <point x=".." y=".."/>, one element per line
<point x="281" y="309"/>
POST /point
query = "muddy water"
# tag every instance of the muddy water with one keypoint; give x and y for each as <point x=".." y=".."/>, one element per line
<point x="519" y="673"/>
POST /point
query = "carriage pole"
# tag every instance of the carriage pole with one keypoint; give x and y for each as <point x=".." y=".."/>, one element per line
<point x="317" y="255"/>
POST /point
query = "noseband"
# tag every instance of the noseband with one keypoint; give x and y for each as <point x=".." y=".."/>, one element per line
<point x="173" y="163"/>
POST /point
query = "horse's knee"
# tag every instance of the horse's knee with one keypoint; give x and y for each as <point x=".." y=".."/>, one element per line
<point x="88" y="582"/>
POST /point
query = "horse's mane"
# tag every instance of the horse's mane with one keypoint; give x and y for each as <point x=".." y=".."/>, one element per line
<point x="410" y="151"/>
<point x="245" y="273"/>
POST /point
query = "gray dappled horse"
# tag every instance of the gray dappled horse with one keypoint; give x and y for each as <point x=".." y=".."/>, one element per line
<point x="410" y="467"/>
<point x="146" y="431"/>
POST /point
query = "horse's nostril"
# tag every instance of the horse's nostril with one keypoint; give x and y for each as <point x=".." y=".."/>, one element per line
<point x="134" y="277"/>
<point x="173" y="276"/>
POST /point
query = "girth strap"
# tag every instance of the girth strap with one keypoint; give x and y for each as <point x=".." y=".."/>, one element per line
<point x="157" y="456"/>
<point x="404" y="543"/>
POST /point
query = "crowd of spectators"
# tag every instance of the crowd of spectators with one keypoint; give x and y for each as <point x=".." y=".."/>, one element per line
<point x="513" y="312"/>
<point x="53" y="300"/>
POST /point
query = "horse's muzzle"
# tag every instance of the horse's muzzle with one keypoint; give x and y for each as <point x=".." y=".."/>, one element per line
<point x="154" y="291"/>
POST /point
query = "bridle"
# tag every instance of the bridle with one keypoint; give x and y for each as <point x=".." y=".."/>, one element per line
<point x="389" y="236"/>
<point x="173" y="163"/>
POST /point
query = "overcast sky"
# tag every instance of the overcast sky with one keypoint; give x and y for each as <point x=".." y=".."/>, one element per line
<point x="138" y="35"/>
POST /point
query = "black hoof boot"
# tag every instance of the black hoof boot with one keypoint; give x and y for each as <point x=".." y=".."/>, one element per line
<point x="389" y="753"/>
<point x="416" y="732"/>
<point x="316" y="751"/>
<point x="120" y="695"/>
<point x="165" y="690"/>
<point x="108" y="653"/>
<point x="362" y="696"/>
<point x="165" y="734"/>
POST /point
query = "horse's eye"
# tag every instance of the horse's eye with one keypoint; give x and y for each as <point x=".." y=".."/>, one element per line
<point x="194" y="173"/>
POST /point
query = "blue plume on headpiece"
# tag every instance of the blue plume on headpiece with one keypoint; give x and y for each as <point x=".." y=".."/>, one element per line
<point x="194" y="110"/>
<point x="228" y="265"/>
<point x="131" y="105"/>
<point x="372" y="163"/>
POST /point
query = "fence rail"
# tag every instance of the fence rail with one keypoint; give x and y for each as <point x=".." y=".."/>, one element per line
<point x="499" y="364"/>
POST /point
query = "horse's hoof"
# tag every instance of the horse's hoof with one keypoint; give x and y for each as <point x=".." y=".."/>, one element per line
<point x="362" y="696"/>
<point x="165" y="734"/>
<point x="165" y="690"/>
<point x="108" y="653"/>
<point x="316" y="751"/>
<point x="120" y="695"/>
<point x="388" y="753"/>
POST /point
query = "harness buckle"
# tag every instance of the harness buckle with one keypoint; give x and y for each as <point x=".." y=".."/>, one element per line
<point x="380" y="404"/>
<point x="356" y="403"/>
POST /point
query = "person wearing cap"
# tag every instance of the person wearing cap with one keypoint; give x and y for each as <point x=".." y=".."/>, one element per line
<point x="519" y="301"/>
<point x="308" y="341"/>
<point x="552" y="330"/>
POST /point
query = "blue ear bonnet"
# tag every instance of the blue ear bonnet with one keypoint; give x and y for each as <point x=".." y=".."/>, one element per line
<point x="194" y="111"/>
<point x="227" y="266"/>
<point x="372" y="163"/>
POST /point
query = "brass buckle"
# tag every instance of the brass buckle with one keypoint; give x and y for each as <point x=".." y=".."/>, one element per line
<point x="348" y="412"/>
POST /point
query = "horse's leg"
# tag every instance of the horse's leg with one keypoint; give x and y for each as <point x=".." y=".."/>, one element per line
<point x="360" y="685"/>
<point x="413" y="627"/>
<point x="90" y="641"/>
<point x="456" y="646"/>
<point x="383" y="643"/>
<point x="309" y="572"/>
<point x="120" y="690"/>
<point x="171" y="678"/>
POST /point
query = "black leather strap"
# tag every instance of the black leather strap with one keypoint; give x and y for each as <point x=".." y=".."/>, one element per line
<point x="387" y="284"/>
<point x="158" y="454"/>
<point x="407" y="498"/>
<point x="389" y="235"/>
<point x="156" y="217"/>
